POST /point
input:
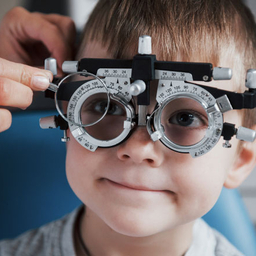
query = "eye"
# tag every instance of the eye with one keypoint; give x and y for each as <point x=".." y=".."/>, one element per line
<point x="100" y="106"/>
<point x="188" y="119"/>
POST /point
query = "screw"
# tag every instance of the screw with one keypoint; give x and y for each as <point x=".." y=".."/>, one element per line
<point x="65" y="137"/>
<point x="205" y="78"/>
<point x="227" y="144"/>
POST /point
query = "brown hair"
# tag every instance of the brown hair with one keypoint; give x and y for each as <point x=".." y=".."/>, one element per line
<point x="181" y="30"/>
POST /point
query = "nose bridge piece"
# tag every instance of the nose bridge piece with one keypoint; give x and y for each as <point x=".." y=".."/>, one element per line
<point x="142" y="115"/>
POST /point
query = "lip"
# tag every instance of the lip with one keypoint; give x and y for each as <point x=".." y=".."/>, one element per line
<point x="132" y="187"/>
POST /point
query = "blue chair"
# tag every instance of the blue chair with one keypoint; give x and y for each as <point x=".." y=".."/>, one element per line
<point x="34" y="189"/>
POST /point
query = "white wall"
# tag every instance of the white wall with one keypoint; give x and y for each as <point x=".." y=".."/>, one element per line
<point x="80" y="11"/>
<point x="252" y="5"/>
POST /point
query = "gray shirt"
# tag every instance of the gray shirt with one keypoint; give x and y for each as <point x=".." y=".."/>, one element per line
<point x="57" y="239"/>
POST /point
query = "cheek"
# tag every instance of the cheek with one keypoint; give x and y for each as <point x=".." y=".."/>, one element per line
<point x="84" y="169"/>
<point x="203" y="177"/>
<point x="80" y="164"/>
<point x="199" y="181"/>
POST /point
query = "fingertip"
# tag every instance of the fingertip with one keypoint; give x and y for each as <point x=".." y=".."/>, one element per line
<point x="49" y="75"/>
<point x="44" y="72"/>
<point x="39" y="82"/>
<point x="5" y="119"/>
<point x="41" y="79"/>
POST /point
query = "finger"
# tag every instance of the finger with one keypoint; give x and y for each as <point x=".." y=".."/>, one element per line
<point x="14" y="94"/>
<point x="5" y="119"/>
<point x="25" y="28"/>
<point x="32" y="27"/>
<point x="68" y="30"/>
<point x="65" y="24"/>
<point x="36" y="79"/>
<point x="48" y="33"/>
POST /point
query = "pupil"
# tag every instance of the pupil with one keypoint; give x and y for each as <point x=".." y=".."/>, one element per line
<point x="111" y="108"/>
<point x="185" y="119"/>
<point x="103" y="106"/>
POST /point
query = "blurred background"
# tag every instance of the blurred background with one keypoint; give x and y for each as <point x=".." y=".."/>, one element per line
<point x="79" y="11"/>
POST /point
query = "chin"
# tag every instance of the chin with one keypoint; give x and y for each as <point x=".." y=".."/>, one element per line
<point x="133" y="230"/>
<point x="138" y="224"/>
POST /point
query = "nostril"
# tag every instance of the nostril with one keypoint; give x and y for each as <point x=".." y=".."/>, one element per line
<point x="150" y="161"/>
<point x="125" y="157"/>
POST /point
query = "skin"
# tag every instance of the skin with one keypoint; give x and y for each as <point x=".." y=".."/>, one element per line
<point x="142" y="198"/>
<point x="29" y="38"/>
<point x="22" y="43"/>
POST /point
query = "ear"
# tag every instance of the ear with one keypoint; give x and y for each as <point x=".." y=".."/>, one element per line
<point x="243" y="165"/>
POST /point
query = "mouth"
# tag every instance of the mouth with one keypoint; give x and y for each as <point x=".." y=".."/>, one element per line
<point x="124" y="185"/>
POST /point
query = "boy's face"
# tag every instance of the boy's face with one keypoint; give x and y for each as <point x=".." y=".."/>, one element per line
<point x="140" y="187"/>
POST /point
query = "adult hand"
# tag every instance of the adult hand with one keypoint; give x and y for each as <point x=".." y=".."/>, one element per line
<point x="17" y="82"/>
<point x="29" y="38"/>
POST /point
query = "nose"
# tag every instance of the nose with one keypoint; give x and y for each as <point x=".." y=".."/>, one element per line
<point x="140" y="149"/>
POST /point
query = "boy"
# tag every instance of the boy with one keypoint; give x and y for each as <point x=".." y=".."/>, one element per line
<point x="140" y="197"/>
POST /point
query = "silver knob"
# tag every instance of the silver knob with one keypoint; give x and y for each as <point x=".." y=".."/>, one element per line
<point x="250" y="81"/>
<point x="145" y="45"/>
<point x="51" y="65"/>
<point x="70" y="66"/>
<point x="137" y="87"/>
<point x="245" y="134"/>
<point x="222" y="73"/>
<point x="48" y="122"/>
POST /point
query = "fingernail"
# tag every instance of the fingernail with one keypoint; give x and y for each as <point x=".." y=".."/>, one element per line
<point x="40" y="82"/>
<point x="50" y="75"/>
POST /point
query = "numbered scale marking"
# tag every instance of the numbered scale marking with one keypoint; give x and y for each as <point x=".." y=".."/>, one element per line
<point x="119" y="87"/>
<point x="117" y="72"/>
<point x="173" y="75"/>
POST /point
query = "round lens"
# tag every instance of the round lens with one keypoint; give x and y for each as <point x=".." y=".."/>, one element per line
<point x="184" y="121"/>
<point x="111" y="126"/>
<point x="77" y="90"/>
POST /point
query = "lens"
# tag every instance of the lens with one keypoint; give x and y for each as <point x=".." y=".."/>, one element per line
<point x="111" y="125"/>
<point x="184" y="121"/>
<point x="78" y="90"/>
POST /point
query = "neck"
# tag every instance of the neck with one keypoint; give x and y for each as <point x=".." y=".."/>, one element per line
<point x="100" y="239"/>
